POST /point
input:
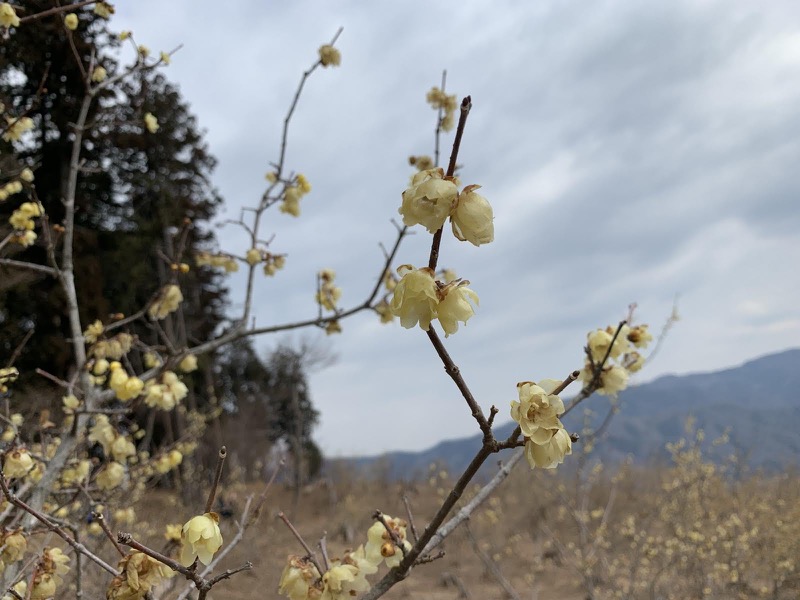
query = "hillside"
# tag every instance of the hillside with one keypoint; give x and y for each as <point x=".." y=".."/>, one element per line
<point x="759" y="402"/>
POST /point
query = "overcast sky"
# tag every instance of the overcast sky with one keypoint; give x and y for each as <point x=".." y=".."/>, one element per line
<point x="632" y="151"/>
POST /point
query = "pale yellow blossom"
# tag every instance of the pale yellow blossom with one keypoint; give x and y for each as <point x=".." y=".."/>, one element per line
<point x="472" y="219"/>
<point x="538" y="409"/>
<point x="151" y="122"/>
<point x="99" y="74"/>
<point x="415" y="297"/>
<point x="201" y="539"/>
<point x="16" y="127"/>
<point x="328" y="55"/>
<point x="71" y="21"/>
<point x="8" y="16"/>
<point x="455" y="305"/>
<point x="550" y="454"/>
<point x="429" y="200"/>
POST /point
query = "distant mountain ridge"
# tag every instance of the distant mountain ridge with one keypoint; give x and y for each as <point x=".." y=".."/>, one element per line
<point x="758" y="401"/>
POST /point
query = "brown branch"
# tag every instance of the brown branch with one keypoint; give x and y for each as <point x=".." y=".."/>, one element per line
<point x="466" y="105"/>
<point x="104" y="526"/>
<point x="223" y="452"/>
<point x="56" y="10"/>
<point x="77" y="546"/>
<point x="455" y="374"/>
<point x="21" y="264"/>
<point x="309" y="552"/>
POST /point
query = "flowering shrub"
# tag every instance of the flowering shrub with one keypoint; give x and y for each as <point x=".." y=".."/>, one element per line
<point x="102" y="459"/>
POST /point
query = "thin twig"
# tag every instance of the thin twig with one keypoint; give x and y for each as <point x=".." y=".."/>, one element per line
<point x="223" y="452"/>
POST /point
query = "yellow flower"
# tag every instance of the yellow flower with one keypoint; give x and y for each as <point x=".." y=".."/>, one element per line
<point x="150" y="122"/>
<point x="415" y="297"/>
<point x="26" y="175"/>
<point x="455" y="305"/>
<point x="291" y="201"/>
<point x="70" y="403"/>
<point x="472" y="219"/>
<point x="201" y="539"/>
<point x="151" y="360"/>
<point x="165" y="58"/>
<point x="634" y="362"/>
<point x="303" y="183"/>
<point x="328" y="55"/>
<point x="44" y="586"/>
<point x="298" y="578"/>
<point x="384" y="311"/>
<point x="272" y="177"/>
<point x="429" y="200"/>
<point x="16" y="127"/>
<point x="8" y="16"/>
<point x="21" y="587"/>
<point x="71" y="21"/>
<point x="111" y="476"/>
<point x="93" y="331"/>
<point x="550" y="454"/>
<point x="380" y="545"/>
<point x="612" y="380"/>
<point x="600" y="340"/>
<point x="122" y="448"/>
<point x="99" y="74"/>
<point x="17" y="463"/>
<point x="422" y="163"/>
<point x="188" y="364"/>
<point x="138" y="575"/>
<point x="144" y="52"/>
<point x="168" y="301"/>
<point x="639" y="336"/>
<point x="14" y="545"/>
<point x="172" y="533"/>
<point x="253" y="256"/>
<point x="333" y="327"/>
<point x="124" y="35"/>
<point x="537" y="410"/>
<point x="104" y="9"/>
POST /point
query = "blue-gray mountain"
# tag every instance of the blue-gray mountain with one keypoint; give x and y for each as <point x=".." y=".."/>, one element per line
<point x="759" y="402"/>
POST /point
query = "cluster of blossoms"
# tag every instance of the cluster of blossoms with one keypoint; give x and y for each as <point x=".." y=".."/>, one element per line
<point x="167" y="301"/>
<point x="126" y="387"/>
<point x="272" y="262"/>
<point x="222" y="261"/>
<point x="22" y="220"/>
<point x="346" y="577"/>
<point x="166" y="392"/>
<point x="113" y="348"/>
<point x="17" y="463"/>
<point x="433" y="197"/>
<point x="537" y="412"/>
<point x="138" y="575"/>
<point x="329" y="56"/>
<point x="12" y="429"/>
<point x="7" y="375"/>
<point x="292" y="193"/>
<point x="420" y="298"/>
<point x="439" y="100"/>
<point x="23" y="464"/>
<point x="15" y="186"/>
<point x="328" y="294"/>
<point x="50" y="571"/>
<point x="620" y="354"/>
